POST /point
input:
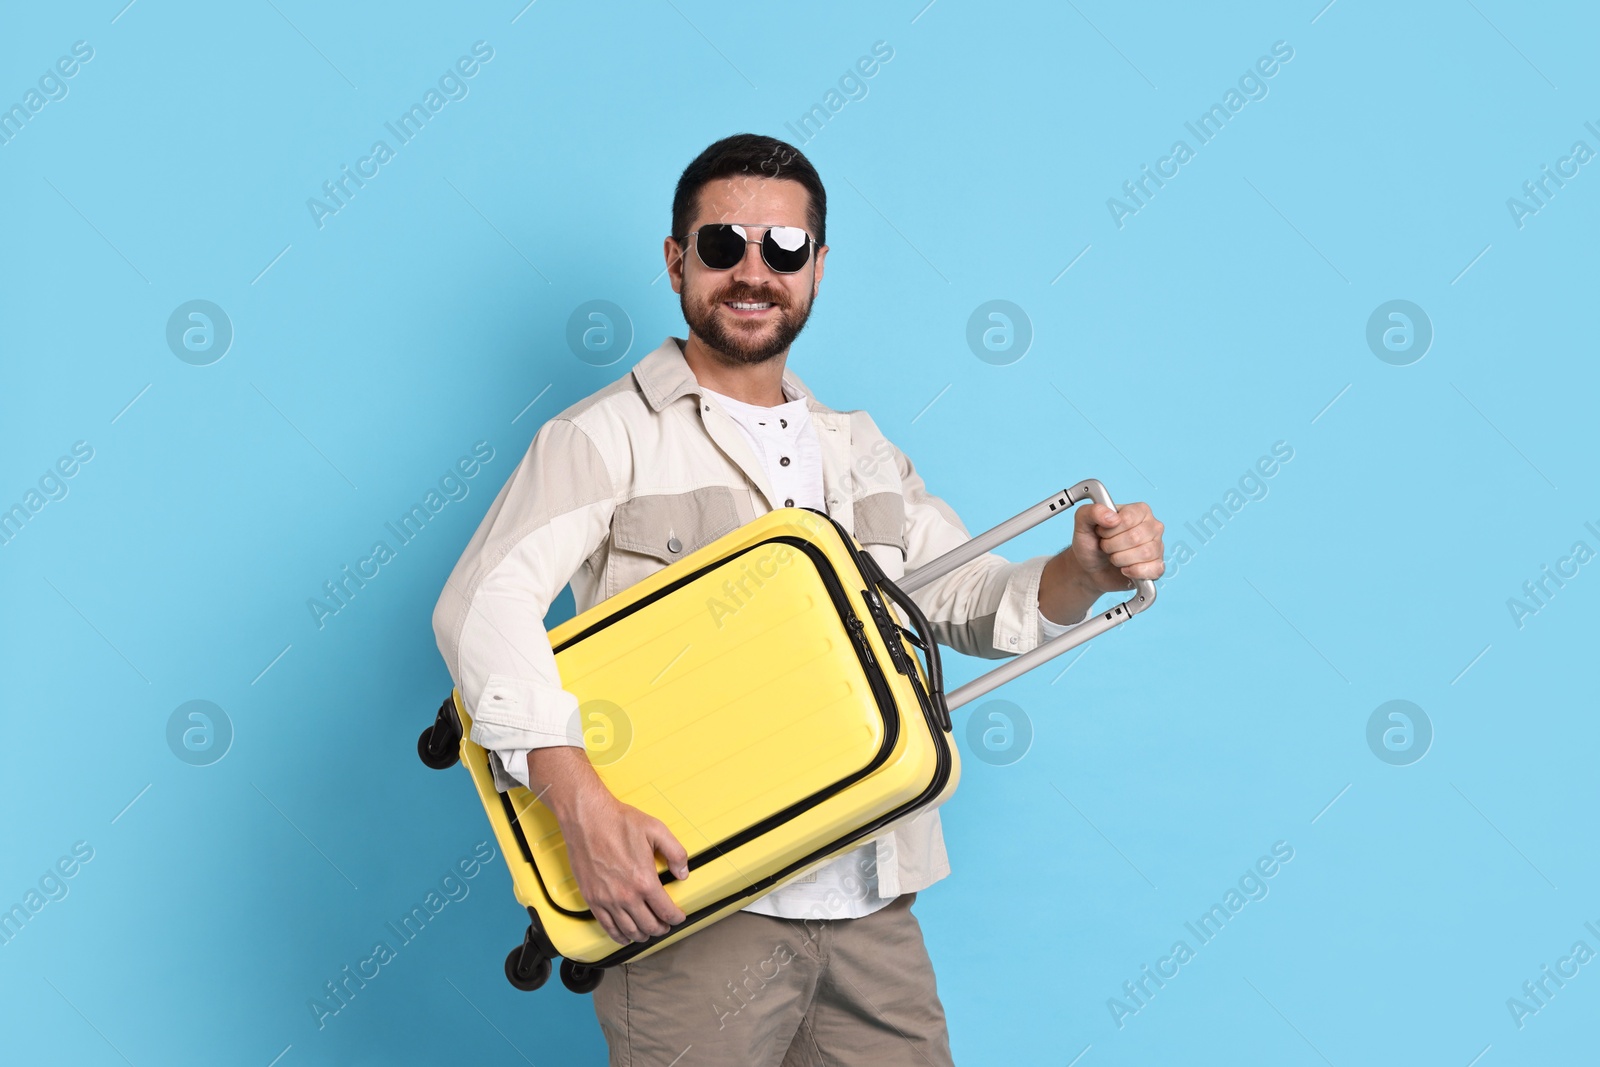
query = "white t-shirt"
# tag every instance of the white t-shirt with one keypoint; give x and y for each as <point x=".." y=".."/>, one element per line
<point x="846" y="887"/>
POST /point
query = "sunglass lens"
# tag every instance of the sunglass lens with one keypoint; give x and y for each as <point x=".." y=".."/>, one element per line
<point x="785" y="248"/>
<point x="721" y="245"/>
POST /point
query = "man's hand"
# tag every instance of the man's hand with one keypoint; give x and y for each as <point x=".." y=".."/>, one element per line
<point x="1109" y="550"/>
<point x="1112" y="548"/>
<point x="611" y="846"/>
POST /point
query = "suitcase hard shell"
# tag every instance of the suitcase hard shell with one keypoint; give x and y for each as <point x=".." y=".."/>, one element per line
<point x="760" y="698"/>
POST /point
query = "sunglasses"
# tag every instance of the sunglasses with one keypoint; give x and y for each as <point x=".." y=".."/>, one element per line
<point x="720" y="246"/>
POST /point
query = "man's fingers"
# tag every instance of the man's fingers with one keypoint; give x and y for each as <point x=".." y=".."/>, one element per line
<point x="1141" y="535"/>
<point x="1128" y="538"/>
<point x="619" y="923"/>
<point x="663" y="907"/>
<point x="1117" y="520"/>
<point x="1097" y="515"/>
<point x="1124" y="518"/>
<point x="635" y="920"/>
<point x="1148" y="571"/>
<point x="1140" y="553"/>
<point x="644" y="918"/>
<point x="607" y="918"/>
<point x="1131" y="533"/>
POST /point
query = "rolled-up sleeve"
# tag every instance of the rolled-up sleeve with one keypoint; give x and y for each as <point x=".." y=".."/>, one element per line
<point x="548" y="519"/>
<point x="987" y="607"/>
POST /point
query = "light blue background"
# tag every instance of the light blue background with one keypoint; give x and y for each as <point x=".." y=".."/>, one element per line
<point x="425" y="316"/>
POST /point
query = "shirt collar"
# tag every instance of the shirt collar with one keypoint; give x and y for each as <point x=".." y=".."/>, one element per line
<point x="664" y="375"/>
<point x="790" y="396"/>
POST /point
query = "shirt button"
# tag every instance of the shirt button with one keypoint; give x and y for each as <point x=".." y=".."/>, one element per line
<point x="1013" y="640"/>
<point x="674" y="545"/>
<point x="788" y="502"/>
<point x="784" y="423"/>
<point x="784" y="461"/>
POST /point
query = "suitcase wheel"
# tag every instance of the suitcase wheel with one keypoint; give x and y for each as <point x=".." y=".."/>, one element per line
<point x="580" y="978"/>
<point x="439" y="761"/>
<point x="440" y="744"/>
<point x="527" y="969"/>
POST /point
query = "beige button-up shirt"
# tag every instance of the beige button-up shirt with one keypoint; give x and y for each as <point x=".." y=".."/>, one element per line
<point x="644" y="471"/>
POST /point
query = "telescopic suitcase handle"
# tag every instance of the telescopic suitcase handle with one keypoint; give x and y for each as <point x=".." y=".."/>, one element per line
<point x="1144" y="590"/>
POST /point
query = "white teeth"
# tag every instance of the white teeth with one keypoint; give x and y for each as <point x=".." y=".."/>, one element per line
<point x="748" y="307"/>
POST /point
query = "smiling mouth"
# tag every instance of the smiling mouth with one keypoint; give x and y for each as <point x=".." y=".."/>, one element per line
<point x="748" y="308"/>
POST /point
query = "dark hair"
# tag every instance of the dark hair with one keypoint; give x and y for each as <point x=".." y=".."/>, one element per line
<point x="762" y="157"/>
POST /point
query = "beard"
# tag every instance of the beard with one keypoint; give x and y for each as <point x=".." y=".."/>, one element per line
<point x="739" y="342"/>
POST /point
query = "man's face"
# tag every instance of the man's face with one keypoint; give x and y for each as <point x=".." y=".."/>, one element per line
<point x="707" y="296"/>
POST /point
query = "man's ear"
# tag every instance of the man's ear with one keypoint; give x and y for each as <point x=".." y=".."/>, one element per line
<point x="821" y="254"/>
<point x="674" y="256"/>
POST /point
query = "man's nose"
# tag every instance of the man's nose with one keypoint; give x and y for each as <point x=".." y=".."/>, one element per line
<point x="751" y="267"/>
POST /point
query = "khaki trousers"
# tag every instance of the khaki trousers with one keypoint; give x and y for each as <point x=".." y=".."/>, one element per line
<point x="757" y="991"/>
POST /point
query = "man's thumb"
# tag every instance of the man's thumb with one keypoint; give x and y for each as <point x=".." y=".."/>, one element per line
<point x="671" y="851"/>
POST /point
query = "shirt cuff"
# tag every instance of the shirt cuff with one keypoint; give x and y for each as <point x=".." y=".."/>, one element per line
<point x="1055" y="629"/>
<point x="524" y="713"/>
<point x="515" y="761"/>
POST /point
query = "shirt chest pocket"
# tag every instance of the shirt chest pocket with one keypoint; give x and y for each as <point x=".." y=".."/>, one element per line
<point x="880" y="519"/>
<point x="655" y="529"/>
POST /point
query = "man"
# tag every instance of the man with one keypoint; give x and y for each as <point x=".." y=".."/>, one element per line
<point x="702" y="436"/>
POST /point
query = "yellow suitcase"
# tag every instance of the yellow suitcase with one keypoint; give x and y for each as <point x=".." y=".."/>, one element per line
<point x="760" y="698"/>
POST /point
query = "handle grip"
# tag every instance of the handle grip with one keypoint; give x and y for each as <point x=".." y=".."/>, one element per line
<point x="1144" y="590"/>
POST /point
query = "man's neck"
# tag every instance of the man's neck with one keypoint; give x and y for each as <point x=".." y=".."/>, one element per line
<point x="758" y="383"/>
